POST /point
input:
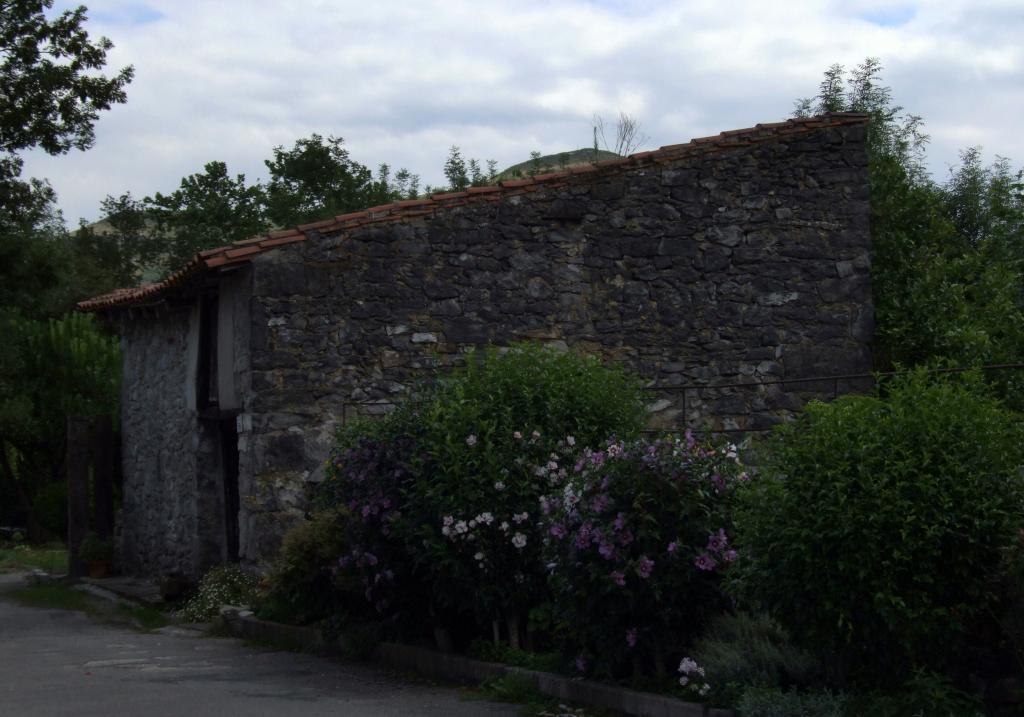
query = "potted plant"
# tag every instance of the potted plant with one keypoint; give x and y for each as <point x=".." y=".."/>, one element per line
<point x="96" y="552"/>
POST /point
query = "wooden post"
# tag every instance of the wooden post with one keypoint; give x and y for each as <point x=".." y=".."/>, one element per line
<point x="103" y="477"/>
<point x="78" y="491"/>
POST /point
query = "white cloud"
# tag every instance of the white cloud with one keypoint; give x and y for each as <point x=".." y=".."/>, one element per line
<point x="402" y="81"/>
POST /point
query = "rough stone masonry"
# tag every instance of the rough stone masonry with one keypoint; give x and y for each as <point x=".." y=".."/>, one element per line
<point x="741" y="258"/>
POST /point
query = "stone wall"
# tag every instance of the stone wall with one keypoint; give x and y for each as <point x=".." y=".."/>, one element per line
<point x="160" y="441"/>
<point x="747" y="263"/>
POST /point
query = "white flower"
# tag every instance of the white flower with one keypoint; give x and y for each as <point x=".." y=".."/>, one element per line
<point x="570" y="440"/>
<point x="704" y="689"/>
<point x="504" y="526"/>
<point x="478" y="557"/>
<point x="499" y="485"/>
<point x="520" y="517"/>
<point x="470" y="440"/>
<point x="461" y="527"/>
<point x="472" y="522"/>
<point x="536" y="434"/>
<point x="519" y="540"/>
<point x="684" y="680"/>
<point x="448" y="520"/>
<point x="517" y="435"/>
<point x="446" y="531"/>
<point x="485" y="518"/>
<point x="552" y="466"/>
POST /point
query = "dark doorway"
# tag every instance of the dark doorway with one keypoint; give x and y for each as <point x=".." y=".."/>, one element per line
<point x="229" y="470"/>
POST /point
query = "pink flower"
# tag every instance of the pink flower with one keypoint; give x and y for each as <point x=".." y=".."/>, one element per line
<point x="644" y="567"/>
<point x="618" y="578"/>
<point x="717" y="542"/>
<point x="518" y="435"/>
<point x="705" y="562"/>
<point x="631" y="637"/>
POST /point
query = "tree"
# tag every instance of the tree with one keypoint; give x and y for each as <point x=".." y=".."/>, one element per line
<point x="316" y="179"/>
<point x="947" y="265"/>
<point x="209" y="209"/>
<point x="628" y="135"/>
<point x="119" y="249"/>
<point x="455" y="171"/>
<point x="50" y="88"/>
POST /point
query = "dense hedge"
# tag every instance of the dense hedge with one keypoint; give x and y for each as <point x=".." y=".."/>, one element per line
<point x="881" y="525"/>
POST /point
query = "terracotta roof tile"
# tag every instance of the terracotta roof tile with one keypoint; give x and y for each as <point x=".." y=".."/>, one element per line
<point x="313" y="226"/>
<point x="242" y="251"/>
<point x="414" y="208"/>
<point x="280" y="241"/>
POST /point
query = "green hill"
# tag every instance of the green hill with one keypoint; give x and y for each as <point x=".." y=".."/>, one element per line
<point x="555" y="162"/>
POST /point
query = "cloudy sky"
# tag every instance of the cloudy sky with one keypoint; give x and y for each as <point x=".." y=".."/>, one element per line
<point x="402" y="81"/>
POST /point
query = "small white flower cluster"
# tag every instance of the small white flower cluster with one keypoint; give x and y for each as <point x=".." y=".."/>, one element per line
<point x="463" y="529"/>
<point x="693" y="676"/>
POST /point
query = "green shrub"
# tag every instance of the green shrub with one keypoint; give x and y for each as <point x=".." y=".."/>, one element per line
<point x="741" y="650"/>
<point x="879" y="527"/>
<point x="774" y="702"/>
<point x="225" y="584"/>
<point x="302" y="585"/>
<point x="925" y="694"/>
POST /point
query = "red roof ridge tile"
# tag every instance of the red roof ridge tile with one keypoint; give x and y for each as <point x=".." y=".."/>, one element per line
<point x="407" y="209"/>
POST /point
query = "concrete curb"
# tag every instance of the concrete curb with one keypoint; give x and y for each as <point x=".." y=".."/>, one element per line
<point x="455" y="668"/>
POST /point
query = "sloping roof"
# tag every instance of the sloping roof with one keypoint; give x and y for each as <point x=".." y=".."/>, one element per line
<point x="242" y="251"/>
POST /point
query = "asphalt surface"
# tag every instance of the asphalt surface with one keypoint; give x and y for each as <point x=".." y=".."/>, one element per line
<point x="56" y="663"/>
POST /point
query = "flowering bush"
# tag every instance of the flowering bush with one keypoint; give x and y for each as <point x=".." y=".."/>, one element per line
<point x="374" y="468"/>
<point x="225" y="584"/>
<point x="637" y="536"/>
<point x="443" y="496"/>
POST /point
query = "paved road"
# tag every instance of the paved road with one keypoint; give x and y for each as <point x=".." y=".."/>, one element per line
<point x="55" y="663"/>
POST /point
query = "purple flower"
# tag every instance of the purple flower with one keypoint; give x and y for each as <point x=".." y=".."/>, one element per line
<point x="618" y="578"/>
<point x="717" y="542"/>
<point x="627" y="537"/>
<point x="581" y="664"/>
<point x="644" y="567"/>
<point x="599" y="503"/>
<point x="631" y="637"/>
<point x="607" y="551"/>
<point x="672" y="547"/>
<point x="705" y="562"/>
<point x="597" y="459"/>
<point x="619" y="522"/>
<point x="719" y="481"/>
<point x="730" y="555"/>
<point x="558" y="530"/>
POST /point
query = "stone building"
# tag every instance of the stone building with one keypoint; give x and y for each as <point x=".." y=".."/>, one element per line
<point x="741" y="257"/>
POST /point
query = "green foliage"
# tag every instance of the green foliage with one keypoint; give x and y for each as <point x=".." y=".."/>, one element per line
<point x="302" y="585"/>
<point x="225" y="584"/>
<point x="465" y="455"/>
<point x="925" y="694"/>
<point x="317" y="179"/>
<point x="887" y="523"/>
<point x="94" y="548"/>
<point x="947" y="265"/>
<point x="774" y="702"/>
<point x="80" y="375"/>
<point x="638" y="536"/>
<point x="209" y="209"/>
<point x="52" y="88"/>
<point x="741" y="650"/>
<point x="490" y="651"/>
